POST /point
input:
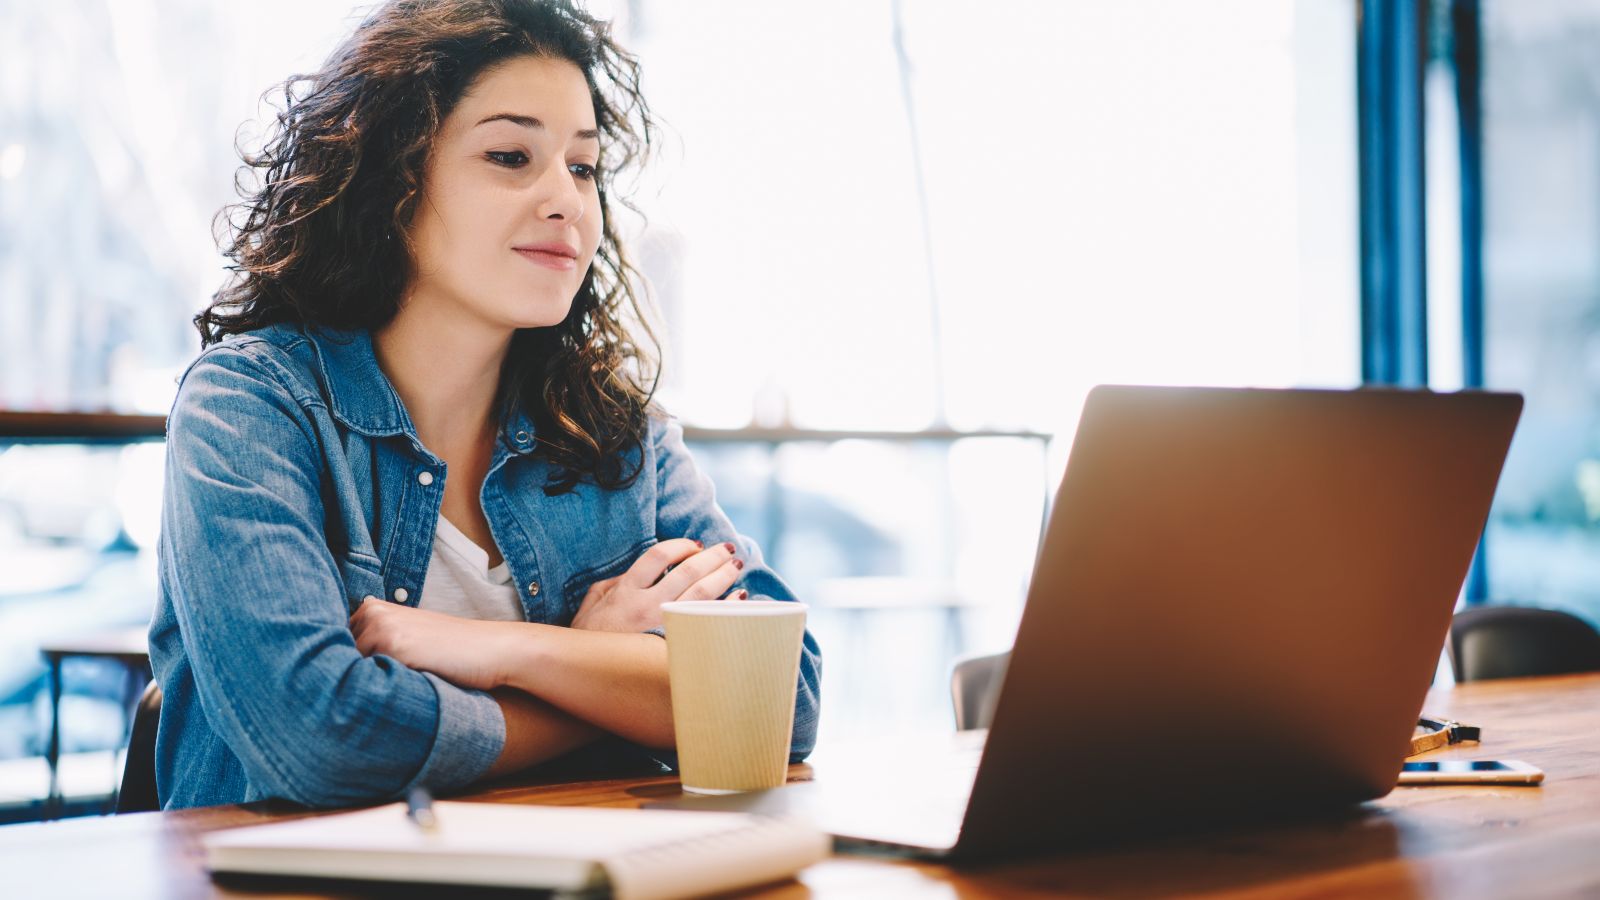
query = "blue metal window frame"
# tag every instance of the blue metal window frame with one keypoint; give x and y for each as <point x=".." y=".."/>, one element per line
<point x="1466" y="55"/>
<point x="1391" y="49"/>
<point x="1466" y="60"/>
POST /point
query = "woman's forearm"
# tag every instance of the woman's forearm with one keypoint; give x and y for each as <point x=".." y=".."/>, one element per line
<point x="610" y="679"/>
<point x="615" y="681"/>
<point x="535" y="732"/>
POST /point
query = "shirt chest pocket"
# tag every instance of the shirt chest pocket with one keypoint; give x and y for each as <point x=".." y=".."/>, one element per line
<point x="615" y="564"/>
<point x="362" y="576"/>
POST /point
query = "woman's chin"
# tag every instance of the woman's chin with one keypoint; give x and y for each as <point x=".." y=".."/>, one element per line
<point x="543" y="316"/>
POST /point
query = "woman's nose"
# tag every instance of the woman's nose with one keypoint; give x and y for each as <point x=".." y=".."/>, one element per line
<point x="558" y="195"/>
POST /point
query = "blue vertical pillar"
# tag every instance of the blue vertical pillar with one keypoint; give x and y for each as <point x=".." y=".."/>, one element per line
<point x="1391" y="50"/>
<point x="1466" y="56"/>
<point x="1466" y="59"/>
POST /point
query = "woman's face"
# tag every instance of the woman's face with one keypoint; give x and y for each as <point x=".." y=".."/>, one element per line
<point x="509" y="217"/>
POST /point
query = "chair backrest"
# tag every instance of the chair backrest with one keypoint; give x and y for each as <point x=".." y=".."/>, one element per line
<point x="1515" y="641"/>
<point x="975" y="686"/>
<point x="138" y="790"/>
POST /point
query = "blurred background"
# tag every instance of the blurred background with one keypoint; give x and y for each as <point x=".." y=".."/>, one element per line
<point x="894" y="242"/>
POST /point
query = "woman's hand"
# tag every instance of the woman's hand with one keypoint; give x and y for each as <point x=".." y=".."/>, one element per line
<point x="671" y="570"/>
<point x="465" y="652"/>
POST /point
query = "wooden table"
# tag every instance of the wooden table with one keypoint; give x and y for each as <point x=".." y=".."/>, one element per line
<point x="1482" y="841"/>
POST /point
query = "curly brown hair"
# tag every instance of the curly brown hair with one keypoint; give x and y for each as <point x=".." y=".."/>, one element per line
<point x="321" y="240"/>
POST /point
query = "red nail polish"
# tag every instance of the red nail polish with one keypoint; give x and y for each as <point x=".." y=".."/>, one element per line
<point x="738" y="564"/>
<point x="700" y="545"/>
<point x="744" y="595"/>
<point x="731" y="548"/>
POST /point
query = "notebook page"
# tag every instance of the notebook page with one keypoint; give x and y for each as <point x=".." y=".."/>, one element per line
<point x="648" y="855"/>
<point x="759" y="851"/>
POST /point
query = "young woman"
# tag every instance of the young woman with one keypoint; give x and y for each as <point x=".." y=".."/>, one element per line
<point x="420" y="512"/>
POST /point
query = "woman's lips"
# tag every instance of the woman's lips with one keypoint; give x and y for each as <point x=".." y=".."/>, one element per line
<point x="557" y="255"/>
<point x="558" y="260"/>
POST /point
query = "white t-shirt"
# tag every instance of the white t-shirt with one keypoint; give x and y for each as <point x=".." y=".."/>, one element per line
<point x="460" y="582"/>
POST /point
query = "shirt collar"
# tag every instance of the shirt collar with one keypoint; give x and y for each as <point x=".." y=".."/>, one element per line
<point x="361" y="397"/>
<point x="359" y="394"/>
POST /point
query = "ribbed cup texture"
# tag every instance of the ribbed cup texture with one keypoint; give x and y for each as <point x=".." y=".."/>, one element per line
<point x="733" y="692"/>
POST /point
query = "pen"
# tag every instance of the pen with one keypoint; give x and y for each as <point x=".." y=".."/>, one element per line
<point x="419" y="809"/>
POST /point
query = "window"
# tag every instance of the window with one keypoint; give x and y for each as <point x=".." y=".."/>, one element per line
<point x="1036" y="198"/>
<point x="940" y="220"/>
<point x="1541" y="145"/>
<point x="117" y="123"/>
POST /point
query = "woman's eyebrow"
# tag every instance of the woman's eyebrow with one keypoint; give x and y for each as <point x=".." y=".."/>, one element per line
<point x="586" y="134"/>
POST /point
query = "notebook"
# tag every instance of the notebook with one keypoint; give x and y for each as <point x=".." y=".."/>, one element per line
<point x="636" y="854"/>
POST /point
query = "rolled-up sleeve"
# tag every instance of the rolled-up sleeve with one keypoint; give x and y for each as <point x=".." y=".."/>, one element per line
<point x="687" y="507"/>
<point x="263" y="615"/>
<point x="470" y="738"/>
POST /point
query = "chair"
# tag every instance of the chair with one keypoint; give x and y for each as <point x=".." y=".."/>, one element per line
<point x="1515" y="641"/>
<point x="138" y="791"/>
<point x="975" y="686"/>
<point x="127" y="647"/>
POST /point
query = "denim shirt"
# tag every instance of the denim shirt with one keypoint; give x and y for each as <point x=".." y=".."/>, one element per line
<point x="295" y="487"/>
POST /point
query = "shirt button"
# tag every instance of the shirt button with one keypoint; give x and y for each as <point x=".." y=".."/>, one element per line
<point x="523" y="437"/>
<point x="401" y="594"/>
<point x="425" y="478"/>
<point x="533" y="589"/>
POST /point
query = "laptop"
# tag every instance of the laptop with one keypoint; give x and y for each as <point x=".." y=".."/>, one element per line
<point x="1236" y="612"/>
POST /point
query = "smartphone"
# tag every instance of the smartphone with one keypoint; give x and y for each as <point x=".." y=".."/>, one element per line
<point x="1470" y="771"/>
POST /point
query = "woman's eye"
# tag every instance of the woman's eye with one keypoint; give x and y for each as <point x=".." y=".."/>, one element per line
<point x="582" y="170"/>
<point x="511" y="159"/>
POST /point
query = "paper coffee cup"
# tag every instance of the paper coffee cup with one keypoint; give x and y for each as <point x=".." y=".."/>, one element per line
<point x="734" y="666"/>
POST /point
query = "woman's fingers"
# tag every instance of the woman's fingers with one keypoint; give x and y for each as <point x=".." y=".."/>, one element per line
<point x="361" y="625"/>
<point x="715" y="585"/>
<point x="705" y="576"/>
<point x="651" y="564"/>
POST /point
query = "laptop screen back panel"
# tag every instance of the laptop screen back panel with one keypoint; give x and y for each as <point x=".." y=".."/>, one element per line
<point x="1237" y="610"/>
